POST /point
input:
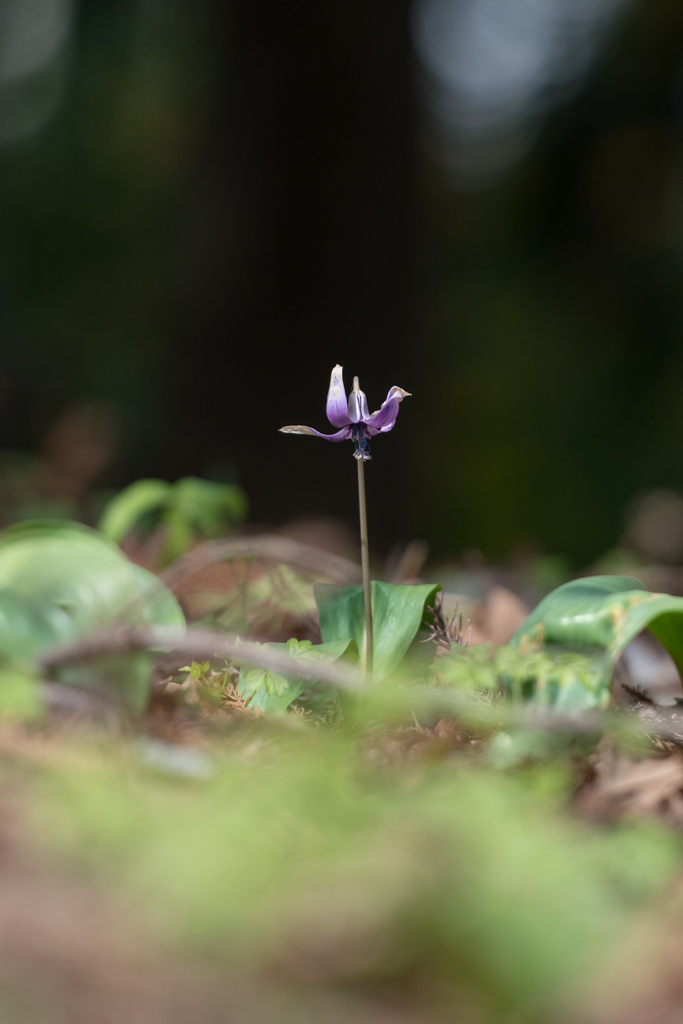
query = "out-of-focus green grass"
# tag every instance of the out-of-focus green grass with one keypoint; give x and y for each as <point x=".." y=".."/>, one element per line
<point x="312" y="854"/>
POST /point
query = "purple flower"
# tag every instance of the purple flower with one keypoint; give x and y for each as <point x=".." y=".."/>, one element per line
<point x="353" y="417"/>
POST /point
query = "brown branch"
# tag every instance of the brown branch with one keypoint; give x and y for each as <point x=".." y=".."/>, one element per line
<point x="200" y="644"/>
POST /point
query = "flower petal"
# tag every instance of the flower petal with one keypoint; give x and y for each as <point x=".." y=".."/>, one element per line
<point x="337" y="412"/>
<point x="383" y="420"/>
<point x="341" y="435"/>
<point x="358" y="404"/>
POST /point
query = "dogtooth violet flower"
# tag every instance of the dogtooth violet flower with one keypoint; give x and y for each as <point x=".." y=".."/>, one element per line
<point x="352" y="415"/>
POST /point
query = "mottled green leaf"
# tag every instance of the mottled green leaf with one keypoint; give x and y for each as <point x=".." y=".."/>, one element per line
<point x="553" y="677"/>
<point x="598" y="616"/>
<point x="398" y="612"/>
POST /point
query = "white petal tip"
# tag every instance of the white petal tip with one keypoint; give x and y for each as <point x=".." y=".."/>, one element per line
<point x="295" y="430"/>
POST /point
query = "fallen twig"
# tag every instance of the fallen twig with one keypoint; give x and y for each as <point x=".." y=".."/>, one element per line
<point x="201" y="644"/>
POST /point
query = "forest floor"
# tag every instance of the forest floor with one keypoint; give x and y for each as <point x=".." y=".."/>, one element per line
<point x="203" y="862"/>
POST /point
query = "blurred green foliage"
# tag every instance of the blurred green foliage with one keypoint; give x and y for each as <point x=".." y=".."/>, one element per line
<point x="186" y="512"/>
<point x="301" y="858"/>
<point x="61" y="583"/>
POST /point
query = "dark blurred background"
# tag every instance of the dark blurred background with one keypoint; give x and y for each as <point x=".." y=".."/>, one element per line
<point x="206" y="205"/>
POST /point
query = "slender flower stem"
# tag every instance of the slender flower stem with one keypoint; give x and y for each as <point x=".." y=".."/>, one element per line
<point x="365" y="563"/>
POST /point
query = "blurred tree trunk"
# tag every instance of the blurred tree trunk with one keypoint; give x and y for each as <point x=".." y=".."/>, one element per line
<point x="308" y="193"/>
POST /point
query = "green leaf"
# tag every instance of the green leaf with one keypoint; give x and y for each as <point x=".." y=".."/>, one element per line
<point x="270" y="691"/>
<point x="59" y="583"/>
<point x="553" y="677"/>
<point x="154" y="604"/>
<point x="469" y="668"/>
<point x="68" y="580"/>
<point x="129" y="506"/>
<point x="598" y="617"/>
<point x="197" y="669"/>
<point x="188" y="509"/>
<point x="210" y="506"/>
<point x="398" y="612"/>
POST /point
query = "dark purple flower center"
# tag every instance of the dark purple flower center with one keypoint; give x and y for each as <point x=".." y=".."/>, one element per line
<point x="361" y="447"/>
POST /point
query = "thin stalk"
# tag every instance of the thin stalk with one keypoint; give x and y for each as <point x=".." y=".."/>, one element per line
<point x="365" y="564"/>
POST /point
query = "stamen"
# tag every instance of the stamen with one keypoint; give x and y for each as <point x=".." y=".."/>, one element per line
<point x="361" y="449"/>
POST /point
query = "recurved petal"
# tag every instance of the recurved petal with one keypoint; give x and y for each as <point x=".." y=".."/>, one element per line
<point x="341" y="435"/>
<point x="383" y="420"/>
<point x="337" y="411"/>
